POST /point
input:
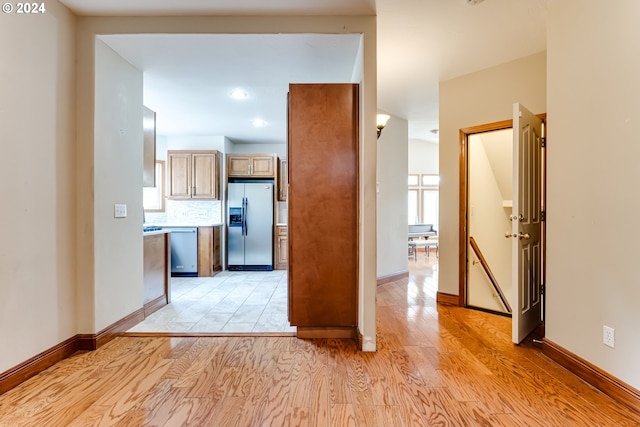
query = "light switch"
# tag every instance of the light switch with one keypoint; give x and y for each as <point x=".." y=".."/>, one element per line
<point x="120" y="211"/>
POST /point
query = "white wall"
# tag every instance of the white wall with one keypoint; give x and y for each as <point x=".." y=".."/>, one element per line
<point x="279" y="149"/>
<point x="117" y="179"/>
<point x="37" y="173"/>
<point x="188" y="142"/>
<point x="483" y="97"/>
<point x="593" y="175"/>
<point x="423" y="157"/>
<point x="392" y="198"/>
<point x="88" y="27"/>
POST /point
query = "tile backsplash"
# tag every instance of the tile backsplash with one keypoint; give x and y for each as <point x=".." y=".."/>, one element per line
<point x="192" y="211"/>
<point x="199" y="212"/>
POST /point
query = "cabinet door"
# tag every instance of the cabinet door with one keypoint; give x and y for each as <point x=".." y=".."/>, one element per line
<point x="262" y="166"/>
<point x="205" y="176"/>
<point x="209" y="261"/>
<point x="238" y="165"/>
<point x="179" y="168"/>
<point x="282" y="248"/>
<point x="283" y="180"/>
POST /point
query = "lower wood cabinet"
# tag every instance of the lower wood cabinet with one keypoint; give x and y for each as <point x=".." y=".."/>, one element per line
<point x="209" y="256"/>
<point x="156" y="271"/>
<point x="282" y="247"/>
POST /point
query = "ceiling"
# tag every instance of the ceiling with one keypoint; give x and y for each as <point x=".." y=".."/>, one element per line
<point x="420" y="43"/>
<point x="188" y="79"/>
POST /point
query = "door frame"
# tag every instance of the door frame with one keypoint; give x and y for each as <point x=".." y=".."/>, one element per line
<point x="463" y="210"/>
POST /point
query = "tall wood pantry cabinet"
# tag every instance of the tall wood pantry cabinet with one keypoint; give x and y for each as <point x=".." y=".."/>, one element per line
<point x="323" y="144"/>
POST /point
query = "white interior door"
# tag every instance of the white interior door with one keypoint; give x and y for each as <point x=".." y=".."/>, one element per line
<point x="526" y="223"/>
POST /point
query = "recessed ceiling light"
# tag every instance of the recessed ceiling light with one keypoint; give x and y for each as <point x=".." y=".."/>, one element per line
<point x="259" y="123"/>
<point x="239" y="94"/>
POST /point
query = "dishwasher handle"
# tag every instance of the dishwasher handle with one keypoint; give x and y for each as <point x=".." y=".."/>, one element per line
<point x="183" y="230"/>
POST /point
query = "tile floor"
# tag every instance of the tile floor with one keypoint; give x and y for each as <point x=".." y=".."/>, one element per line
<point x="227" y="302"/>
<point x="251" y="301"/>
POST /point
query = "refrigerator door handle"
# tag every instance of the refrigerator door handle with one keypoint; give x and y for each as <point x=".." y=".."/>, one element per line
<point x="244" y="216"/>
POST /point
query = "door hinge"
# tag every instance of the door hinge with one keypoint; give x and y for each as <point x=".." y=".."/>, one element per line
<point x="543" y="142"/>
<point x="542" y="289"/>
<point x="543" y="216"/>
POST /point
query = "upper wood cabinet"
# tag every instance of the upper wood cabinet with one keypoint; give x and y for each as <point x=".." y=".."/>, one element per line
<point x="193" y="175"/>
<point x="251" y="165"/>
<point x="283" y="180"/>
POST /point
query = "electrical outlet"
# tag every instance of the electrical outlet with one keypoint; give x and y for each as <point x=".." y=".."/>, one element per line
<point x="608" y="336"/>
<point x="120" y="211"/>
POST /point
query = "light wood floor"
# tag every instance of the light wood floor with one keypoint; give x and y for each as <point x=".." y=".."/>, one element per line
<point x="436" y="366"/>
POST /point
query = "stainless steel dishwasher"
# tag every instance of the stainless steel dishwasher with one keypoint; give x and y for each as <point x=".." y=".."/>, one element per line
<point x="184" y="251"/>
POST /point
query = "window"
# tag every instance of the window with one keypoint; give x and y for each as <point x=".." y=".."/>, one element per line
<point x="414" y="207"/>
<point x="153" y="197"/>
<point x="423" y="199"/>
<point x="430" y="207"/>
<point x="430" y="180"/>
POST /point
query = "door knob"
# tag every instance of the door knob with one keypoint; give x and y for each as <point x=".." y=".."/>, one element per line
<point x="508" y="235"/>
<point x="525" y="236"/>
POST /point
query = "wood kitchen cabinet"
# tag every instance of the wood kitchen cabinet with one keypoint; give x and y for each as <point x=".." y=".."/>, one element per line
<point x="156" y="271"/>
<point x="323" y="200"/>
<point x="209" y="255"/>
<point x="282" y="247"/>
<point x="251" y="165"/>
<point x="193" y="175"/>
<point x="283" y="180"/>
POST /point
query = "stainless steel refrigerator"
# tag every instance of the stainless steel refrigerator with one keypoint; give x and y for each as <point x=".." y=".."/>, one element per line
<point x="250" y="225"/>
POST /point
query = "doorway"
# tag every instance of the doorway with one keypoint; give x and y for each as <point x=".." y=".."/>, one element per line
<point x="184" y="82"/>
<point x="490" y="184"/>
<point x="504" y="278"/>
